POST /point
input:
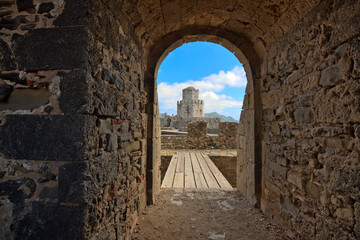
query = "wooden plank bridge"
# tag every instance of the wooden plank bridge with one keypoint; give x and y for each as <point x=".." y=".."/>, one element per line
<point x="194" y="169"/>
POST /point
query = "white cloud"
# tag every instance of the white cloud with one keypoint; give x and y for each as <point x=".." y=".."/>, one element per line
<point x="218" y="102"/>
<point x="210" y="91"/>
<point x="234" y="78"/>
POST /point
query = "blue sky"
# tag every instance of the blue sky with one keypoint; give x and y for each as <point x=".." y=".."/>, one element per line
<point x="209" y="67"/>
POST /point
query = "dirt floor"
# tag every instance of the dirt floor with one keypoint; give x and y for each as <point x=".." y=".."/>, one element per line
<point x="185" y="214"/>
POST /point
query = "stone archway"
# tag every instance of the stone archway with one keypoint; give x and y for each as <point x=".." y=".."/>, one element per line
<point x="78" y="110"/>
<point x="249" y="165"/>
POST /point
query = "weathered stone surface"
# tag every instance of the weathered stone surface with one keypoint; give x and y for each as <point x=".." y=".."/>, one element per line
<point x="112" y="143"/>
<point x="25" y="5"/>
<point x="5" y="91"/>
<point x="14" y="192"/>
<point x="75" y="95"/>
<point x="65" y="222"/>
<point x="5" y="13"/>
<point x="7" y="3"/>
<point x="303" y="115"/>
<point x="132" y="146"/>
<point x="105" y="126"/>
<point x="197" y="129"/>
<point x="52" y="138"/>
<point x="190" y="105"/>
<point x="296" y="179"/>
<point x="330" y="76"/>
<point x="344" y="177"/>
<point x="355" y="51"/>
<point x="49" y="193"/>
<point x="7" y="61"/>
<point x="6" y="208"/>
<point x="113" y="78"/>
<point x="278" y="169"/>
<point x="56" y="50"/>
<point x="105" y="170"/>
<point x="338" y="104"/>
<point x="107" y="100"/>
<point x="74" y="14"/>
<point x="357" y="219"/>
<point x="313" y="189"/>
<point x="275" y="128"/>
<point x="291" y="208"/>
<point x="227" y="166"/>
<point x="327" y="131"/>
<point x="12" y="23"/>
<point x="270" y="99"/>
<point x="345" y="214"/>
<point x="71" y="189"/>
<point x="28" y="26"/>
<point x="357" y="134"/>
<point x="198" y="139"/>
<point x="13" y="77"/>
<point x="46" y="7"/>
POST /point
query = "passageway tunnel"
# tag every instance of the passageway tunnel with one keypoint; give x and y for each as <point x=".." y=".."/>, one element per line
<point x="79" y="119"/>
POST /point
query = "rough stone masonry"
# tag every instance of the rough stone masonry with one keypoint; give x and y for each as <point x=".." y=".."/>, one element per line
<point x="79" y="121"/>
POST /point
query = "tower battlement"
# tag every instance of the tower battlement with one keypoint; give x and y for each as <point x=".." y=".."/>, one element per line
<point x="190" y="105"/>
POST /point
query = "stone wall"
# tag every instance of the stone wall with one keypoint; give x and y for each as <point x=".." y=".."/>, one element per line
<point x="311" y="117"/>
<point x="182" y="123"/>
<point x="227" y="166"/>
<point x="197" y="137"/>
<point x="73" y="142"/>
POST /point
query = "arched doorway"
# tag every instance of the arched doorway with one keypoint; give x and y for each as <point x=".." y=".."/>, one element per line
<point x="249" y="165"/>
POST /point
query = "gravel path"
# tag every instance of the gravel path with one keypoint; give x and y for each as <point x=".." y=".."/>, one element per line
<point x="180" y="214"/>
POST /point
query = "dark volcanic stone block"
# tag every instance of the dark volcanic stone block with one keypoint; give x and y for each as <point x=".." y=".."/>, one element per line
<point x="13" y="192"/>
<point x="25" y="5"/>
<point x="5" y="13"/>
<point x="7" y="62"/>
<point x="28" y="26"/>
<point x="70" y="179"/>
<point x="46" y="7"/>
<point x="52" y="48"/>
<point x="74" y="14"/>
<point x="5" y="3"/>
<point x="12" y="23"/>
<point x="51" y="138"/>
<point x="49" y="193"/>
<point x="49" y="221"/>
<point x="5" y="91"/>
<point x="75" y="94"/>
<point x="13" y="77"/>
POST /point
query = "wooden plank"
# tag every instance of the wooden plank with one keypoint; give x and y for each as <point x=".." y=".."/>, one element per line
<point x="178" y="180"/>
<point x="200" y="180"/>
<point x="216" y="172"/>
<point x="198" y="174"/>
<point x="189" y="175"/>
<point x="210" y="179"/>
<point x="195" y="163"/>
<point x="180" y="167"/>
<point x="170" y="173"/>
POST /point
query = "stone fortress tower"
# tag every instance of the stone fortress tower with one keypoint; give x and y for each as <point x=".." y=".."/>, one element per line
<point x="190" y="106"/>
<point x="189" y="109"/>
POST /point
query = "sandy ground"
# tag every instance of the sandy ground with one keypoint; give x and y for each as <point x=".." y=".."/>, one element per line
<point x="186" y="214"/>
